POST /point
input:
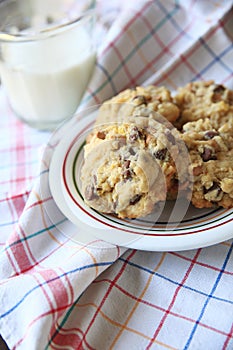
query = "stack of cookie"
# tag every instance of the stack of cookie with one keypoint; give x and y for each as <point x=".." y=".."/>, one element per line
<point x="147" y="146"/>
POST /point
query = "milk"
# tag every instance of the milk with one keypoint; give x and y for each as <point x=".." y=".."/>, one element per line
<point x="46" y="79"/>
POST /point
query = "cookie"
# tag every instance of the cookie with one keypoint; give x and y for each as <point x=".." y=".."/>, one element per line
<point x="139" y="102"/>
<point x="129" y="166"/>
<point x="211" y="154"/>
<point x="204" y="99"/>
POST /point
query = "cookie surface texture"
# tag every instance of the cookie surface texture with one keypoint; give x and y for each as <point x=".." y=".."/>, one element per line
<point x="128" y="167"/>
<point x="211" y="153"/>
<point x="139" y="102"/>
<point x="204" y="99"/>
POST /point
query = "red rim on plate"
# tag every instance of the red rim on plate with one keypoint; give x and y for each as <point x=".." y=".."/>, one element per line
<point x="207" y="220"/>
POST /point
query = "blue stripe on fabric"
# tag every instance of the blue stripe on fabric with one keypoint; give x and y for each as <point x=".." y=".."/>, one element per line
<point x="8" y="223"/>
<point x="140" y="43"/>
<point x="43" y="172"/>
<point x="216" y="59"/>
<point x="35" y="234"/>
<point x="172" y="19"/>
<point x="78" y="269"/>
<point x="109" y="77"/>
<point x="208" y="298"/>
<point x="174" y="282"/>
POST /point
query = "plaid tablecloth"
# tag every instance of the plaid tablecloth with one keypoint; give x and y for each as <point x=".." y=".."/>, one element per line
<point x="57" y="294"/>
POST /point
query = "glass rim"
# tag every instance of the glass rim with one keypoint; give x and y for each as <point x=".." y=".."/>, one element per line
<point x="46" y="32"/>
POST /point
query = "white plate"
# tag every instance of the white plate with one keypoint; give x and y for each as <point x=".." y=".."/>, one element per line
<point x="176" y="226"/>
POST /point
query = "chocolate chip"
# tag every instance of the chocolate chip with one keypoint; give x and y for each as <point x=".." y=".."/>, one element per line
<point x="219" y="89"/>
<point x="127" y="164"/>
<point x="214" y="192"/>
<point x="161" y="154"/>
<point x="135" y="134"/>
<point x="127" y="175"/>
<point x="90" y="193"/>
<point x="126" y="171"/>
<point x="217" y="93"/>
<point x="140" y="99"/>
<point x="135" y="199"/>
<point x="132" y="151"/>
<point x="210" y="134"/>
<point x="115" y="204"/>
<point x="101" y="135"/>
<point x="208" y="155"/>
<point x="214" y="187"/>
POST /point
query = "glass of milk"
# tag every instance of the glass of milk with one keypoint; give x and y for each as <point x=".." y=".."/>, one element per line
<point x="47" y="56"/>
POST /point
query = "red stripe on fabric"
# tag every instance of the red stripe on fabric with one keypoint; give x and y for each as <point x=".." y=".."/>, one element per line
<point x="154" y="306"/>
<point x="62" y="339"/>
<point x="20" y="249"/>
<point x="108" y="292"/>
<point x="165" y="50"/>
<point x="8" y="200"/>
<point x="229" y="337"/>
<point x="207" y="36"/>
<point x="125" y="28"/>
<point x="69" y="285"/>
<point x="95" y="97"/>
<point x="174" y="299"/>
<point x="229" y="77"/>
<point x="189" y="66"/>
<point x="52" y="311"/>
<point x="44" y="315"/>
<point x="57" y="287"/>
<point x="31" y="267"/>
<point x="18" y="147"/>
<point x="26" y="193"/>
<point x="61" y="298"/>
<point x="20" y="154"/>
<point x="14" y="266"/>
<point x="39" y="202"/>
<point x="16" y="205"/>
<point x="132" y="81"/>
<point x="202" y="264"/>
<point x="19" y="253"/>
<point x="16" y="181"/>
<point x="72" y="340"/>
<point x="19" y="204"/>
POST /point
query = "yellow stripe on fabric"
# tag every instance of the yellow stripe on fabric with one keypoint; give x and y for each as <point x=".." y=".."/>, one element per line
<point x="119" y="325"/>
<point x="44" y="220"/>
<point x="123" y="327"/>
<point x="227" y="243"/>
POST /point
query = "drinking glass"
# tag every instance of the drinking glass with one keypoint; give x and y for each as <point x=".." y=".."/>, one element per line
<point x="47" y="56"/>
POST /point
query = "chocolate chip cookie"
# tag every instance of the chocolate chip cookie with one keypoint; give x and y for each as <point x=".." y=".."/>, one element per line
<point x="204" y="99"/>
<point x="211" y="153"/>
<point x="129" y="166"/>
<point x="139" y="102"/>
